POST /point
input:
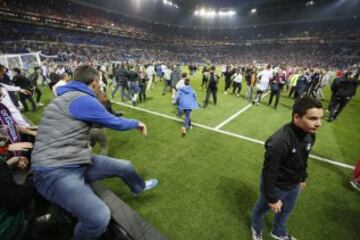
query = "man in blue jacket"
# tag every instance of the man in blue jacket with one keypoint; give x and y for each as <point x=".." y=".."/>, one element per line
<point x="62" y="159"/>
<point x="187" y="101"/>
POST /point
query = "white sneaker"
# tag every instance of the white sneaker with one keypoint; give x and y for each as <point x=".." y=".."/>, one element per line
<point x="286" y="237"/>
<point x="355" y="184"/>
<point x="255" y="235"/>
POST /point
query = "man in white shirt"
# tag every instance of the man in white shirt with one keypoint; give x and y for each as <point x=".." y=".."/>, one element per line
<point x="167" y="77"/>
<point x="6" y="100"/>
<point x="150" y="72"/>
<point x="64" y="79"/>
<point x="264" y="79"/>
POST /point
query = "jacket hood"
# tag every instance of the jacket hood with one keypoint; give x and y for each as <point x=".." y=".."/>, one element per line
<point x="75" y="86"/>
<point x="186" y="89"/>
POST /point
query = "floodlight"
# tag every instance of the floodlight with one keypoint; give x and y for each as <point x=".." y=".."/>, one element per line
<point x="253" y="11"/>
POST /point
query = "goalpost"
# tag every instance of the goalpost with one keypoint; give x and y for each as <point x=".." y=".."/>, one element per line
<point x="22" y="61"/>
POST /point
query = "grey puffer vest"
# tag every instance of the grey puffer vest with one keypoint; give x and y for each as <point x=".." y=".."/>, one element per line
<point x="61" y="140"/>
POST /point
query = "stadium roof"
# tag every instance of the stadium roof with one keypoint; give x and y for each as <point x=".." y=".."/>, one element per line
<point x="267" y="11"/>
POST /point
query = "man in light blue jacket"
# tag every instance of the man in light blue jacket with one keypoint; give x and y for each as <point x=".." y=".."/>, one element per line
<point x="62" y="159"/>
<point x="187" y="101"/>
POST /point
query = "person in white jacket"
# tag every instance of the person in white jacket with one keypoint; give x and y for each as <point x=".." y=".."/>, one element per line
<point x="263" y="84"/>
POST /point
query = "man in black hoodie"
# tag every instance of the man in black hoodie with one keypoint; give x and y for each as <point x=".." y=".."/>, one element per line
<point x="343" y="88"/>
<point x="285" y="167"/>
<point x="23" y="82"/>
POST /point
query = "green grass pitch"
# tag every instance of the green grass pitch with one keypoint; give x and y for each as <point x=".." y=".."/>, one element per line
<point x="209" y="181"/>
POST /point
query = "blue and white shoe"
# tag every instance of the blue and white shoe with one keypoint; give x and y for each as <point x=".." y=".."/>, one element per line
<point x="149" y="184"/>
<point x="286" y="237"/>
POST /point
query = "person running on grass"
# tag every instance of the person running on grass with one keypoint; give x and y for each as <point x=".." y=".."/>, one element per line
<point x="187" y="101"/>
<point x="285" y="168"/>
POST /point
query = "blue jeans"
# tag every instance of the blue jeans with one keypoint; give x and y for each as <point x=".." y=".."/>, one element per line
<point x="288" y="199"/>
<point x="69" y="188"/>
<point x="187" y="121"/>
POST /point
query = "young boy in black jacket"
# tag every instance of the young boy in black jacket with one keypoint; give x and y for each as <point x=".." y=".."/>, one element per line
<point x="285" y="167"/>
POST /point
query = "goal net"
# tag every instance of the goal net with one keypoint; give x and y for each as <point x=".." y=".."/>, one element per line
<point x="22" y="61"/>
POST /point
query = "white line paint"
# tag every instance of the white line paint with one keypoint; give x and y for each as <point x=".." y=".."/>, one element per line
<point x="236" y="114"/>
<point x="337" y="163"/>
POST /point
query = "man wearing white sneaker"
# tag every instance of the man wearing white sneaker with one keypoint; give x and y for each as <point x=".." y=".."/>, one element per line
<point x="285" y="168"/>
<point x="62" y="160"/>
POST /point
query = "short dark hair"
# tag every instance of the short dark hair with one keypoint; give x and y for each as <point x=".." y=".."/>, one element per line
<point x="17" y="70"/>
<point x="2" y="67"/>
<point x="301" y="105"/>
<point x="86" y="74"/>
<point x="184" y="74"/>
<point x="187" y="81"/>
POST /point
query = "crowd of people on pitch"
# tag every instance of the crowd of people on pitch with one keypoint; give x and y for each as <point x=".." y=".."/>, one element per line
<point x="133" y="81"/>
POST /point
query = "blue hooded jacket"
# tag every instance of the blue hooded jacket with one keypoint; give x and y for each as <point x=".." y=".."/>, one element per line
<point x="89" y="109"/>
<point x="186" y="98"/>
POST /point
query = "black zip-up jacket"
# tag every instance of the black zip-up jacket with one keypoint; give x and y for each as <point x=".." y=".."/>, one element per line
<point x="286" y="157"/>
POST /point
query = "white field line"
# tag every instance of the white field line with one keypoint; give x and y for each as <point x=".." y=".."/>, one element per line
<point x="236" y="114"/>
<point x="337" y="163"/>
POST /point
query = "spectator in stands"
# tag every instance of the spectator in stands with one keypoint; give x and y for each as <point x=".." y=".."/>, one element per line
<point x="285" y="167"/>
<point x="187" y="101"/>
<point x="62" y="162"/>
<point x="23" y="82"/>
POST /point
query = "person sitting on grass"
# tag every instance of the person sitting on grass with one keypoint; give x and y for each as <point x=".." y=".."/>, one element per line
<point x="187" y="101"/>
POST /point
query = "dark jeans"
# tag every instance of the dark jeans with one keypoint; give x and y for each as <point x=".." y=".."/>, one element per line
<point x="24" y="98"/>
<point x="236" y="86"/>
<point x="261" y="207"/>
<point x="277" y="97"/>
<point x="38" y="94"/>
<point x="227" y="85"/>
<point x="204" y="82"/>
<point x="142" y="96"/>
<point x="187" y="121"/>
<point x="213" y="92"/>
<point x="292" y="90"/>
<point x="336" y="106"/>
<point x="69" y="188"/>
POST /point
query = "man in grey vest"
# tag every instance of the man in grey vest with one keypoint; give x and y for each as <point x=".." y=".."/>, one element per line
<point x="62" y="159"/>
